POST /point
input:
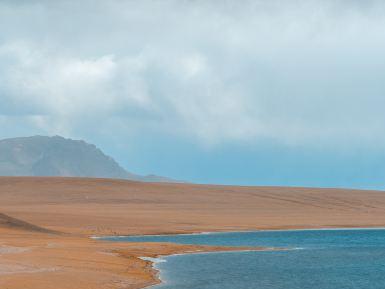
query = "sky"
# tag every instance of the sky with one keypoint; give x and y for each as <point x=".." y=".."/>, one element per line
<point x="262" y="92"/>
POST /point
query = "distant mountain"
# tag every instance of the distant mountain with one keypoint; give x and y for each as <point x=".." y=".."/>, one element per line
<point x="58" y="156"/>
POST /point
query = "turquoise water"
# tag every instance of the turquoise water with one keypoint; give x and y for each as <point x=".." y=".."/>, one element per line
<point x="319" y="259"/>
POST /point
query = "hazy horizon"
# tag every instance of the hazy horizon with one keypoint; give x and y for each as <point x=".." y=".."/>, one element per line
<point x="228" y="92"/>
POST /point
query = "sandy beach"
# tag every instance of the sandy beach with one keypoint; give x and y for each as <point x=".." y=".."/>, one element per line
<point x="46" y="224"/>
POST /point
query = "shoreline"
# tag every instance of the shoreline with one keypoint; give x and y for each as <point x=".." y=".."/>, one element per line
<point x="350" y="228"/>
<point x="154" y="260"/>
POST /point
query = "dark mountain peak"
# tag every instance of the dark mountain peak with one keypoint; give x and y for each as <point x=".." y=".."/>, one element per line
<point x="58" y="156"/>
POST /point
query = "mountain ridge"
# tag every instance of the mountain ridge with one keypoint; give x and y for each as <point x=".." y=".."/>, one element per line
<point x="58" y="156"/>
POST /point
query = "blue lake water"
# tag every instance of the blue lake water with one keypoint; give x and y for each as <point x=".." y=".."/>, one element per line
<point x="320" y="259"/>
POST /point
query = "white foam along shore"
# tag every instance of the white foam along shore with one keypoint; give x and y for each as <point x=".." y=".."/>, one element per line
<point x="154" y="262"/>
<point x="161" y="235"/>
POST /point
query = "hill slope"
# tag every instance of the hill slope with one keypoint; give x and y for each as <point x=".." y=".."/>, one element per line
<point x="107" y="206"/>
<point x="13" y="223"/>
<point x="58" y="156"/>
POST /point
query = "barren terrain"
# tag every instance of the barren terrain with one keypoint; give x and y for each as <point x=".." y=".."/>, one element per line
<point x="45" y="224"/>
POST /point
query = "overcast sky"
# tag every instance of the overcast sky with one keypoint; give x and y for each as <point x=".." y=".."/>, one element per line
<point x="245" y="92"/>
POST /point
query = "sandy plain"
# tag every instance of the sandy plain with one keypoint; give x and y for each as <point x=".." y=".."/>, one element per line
<point x="45" y="224"/>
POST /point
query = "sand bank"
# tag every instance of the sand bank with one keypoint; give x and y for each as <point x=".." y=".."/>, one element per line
<point x="40" y="261"/>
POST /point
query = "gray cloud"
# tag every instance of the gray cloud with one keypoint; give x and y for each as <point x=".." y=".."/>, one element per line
<point x="296" y="72"/>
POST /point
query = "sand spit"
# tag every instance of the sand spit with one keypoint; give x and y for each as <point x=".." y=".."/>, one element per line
<point x="33" y="255"/>
<point x="80" y="262"/>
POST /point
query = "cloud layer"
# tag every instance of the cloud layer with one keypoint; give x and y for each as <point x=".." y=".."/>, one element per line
<point x="293" y="72"/>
